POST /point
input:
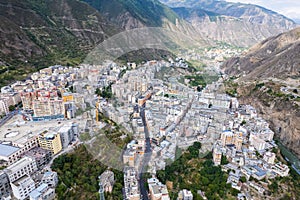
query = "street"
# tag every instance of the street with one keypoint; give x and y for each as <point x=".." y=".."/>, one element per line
<point x="146" y="157"/>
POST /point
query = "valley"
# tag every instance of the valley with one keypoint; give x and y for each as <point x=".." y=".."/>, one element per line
<point x="148" y="99"/>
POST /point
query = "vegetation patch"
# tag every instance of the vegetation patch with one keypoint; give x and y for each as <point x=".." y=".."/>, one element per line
<point x="78" y="176"/>
<point x="195" y="173"/>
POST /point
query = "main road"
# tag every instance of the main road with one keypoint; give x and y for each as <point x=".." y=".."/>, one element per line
<point x="146" y="157"/>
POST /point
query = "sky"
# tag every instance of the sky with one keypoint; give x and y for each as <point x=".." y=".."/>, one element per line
<point x="289" y="8"/>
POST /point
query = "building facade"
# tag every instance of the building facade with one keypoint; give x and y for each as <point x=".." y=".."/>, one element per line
<point x="22" y="187"/>
<point x="4" y="185"/>
<point x="24" y="166"/>
<point x="50" y="141"/>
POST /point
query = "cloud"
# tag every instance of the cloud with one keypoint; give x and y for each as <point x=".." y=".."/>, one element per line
<point x="289" y="8"/>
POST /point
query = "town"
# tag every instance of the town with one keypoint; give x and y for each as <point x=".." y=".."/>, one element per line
<point x="159" y="112"/>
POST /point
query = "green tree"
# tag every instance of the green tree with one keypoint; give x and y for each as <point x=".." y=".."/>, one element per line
<point x="243" y="179"/>
<point x="11" y="108"/>
<point x="224" y="160"/>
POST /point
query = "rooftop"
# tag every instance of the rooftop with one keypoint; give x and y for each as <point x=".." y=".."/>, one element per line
<point x="20" y="181"/>
<point x="19" y="164"/>
<point x="7" y="150"/>
<point x="18" y="131"/>
<point x="38" y="191"/>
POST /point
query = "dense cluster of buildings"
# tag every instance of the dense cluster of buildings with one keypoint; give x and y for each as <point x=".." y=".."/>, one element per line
<point x="247" y="143"/>
<point x="175" y="115"/>
<point x="26" y="149"/>
<point x="27" y="145"/>
<point x="148" y="102"/>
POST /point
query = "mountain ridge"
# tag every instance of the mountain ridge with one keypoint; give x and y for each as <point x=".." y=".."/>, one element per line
<point x="229" y="22"/>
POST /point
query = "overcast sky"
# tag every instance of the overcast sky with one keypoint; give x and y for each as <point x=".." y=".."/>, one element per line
<point x="289" y="8"/>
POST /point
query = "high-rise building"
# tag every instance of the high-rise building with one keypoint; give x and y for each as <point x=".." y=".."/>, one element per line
<point x="238" y="142"/>
<point x="131" y="186"/>
<point x="50" y="141"/>
<point x="41" y="156"/>
<point x="227" y="137"/>
<point x="258" y="143"/>
<point x="67" y="134"/>
<point x="269" y="157"/>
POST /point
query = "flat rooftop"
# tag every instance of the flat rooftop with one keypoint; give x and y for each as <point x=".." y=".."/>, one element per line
<point x="7" y="150"/>
<point x="19" y="164"/>
<point x="18" y="131"/>
<point x="20" y="180"/>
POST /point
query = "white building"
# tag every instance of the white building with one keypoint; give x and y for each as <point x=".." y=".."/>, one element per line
<point x="24" y="166"/>
<point x="67" y="134"/>
<point x="22" y="187"/>
<point x="43" y="192"/>
<point x="281" y="169"/>
<point x="9" y="153"/>
<point x="157" y="190"/>
<point x="4" y="106"/>
<point x="258" y="143"/>
<point x="269" y="157"/>
<point x="185" y="195"/>
<point x="4" y="185"/>
<point x="50" y="178"/>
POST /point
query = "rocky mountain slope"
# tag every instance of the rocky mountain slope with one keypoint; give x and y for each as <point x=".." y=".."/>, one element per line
<point x="269" y="79"/>
<point x="274" y="57"/>
<point x="234" y="23"/>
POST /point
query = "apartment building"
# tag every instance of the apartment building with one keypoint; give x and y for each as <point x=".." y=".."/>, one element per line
<point x="50" y="178"/>
<point x="41" y="156"/>
<point x="50" y="141"/>
<point x="217" y="155"/>
<point x="131" y="186"/>
<point x="157" y="190"/>
<point x="24" y="166"/>
<point x="42" y="192"/>
<point x="4" y="106"/>
<point x="185" y="195"/>
<point x="9" y="154"/>
<point x="22" y="187"/>
<point x="4" y="185"/>
<point x="48" y="107"/>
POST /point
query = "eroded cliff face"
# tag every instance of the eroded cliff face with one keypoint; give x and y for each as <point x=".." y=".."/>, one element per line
<point x="282" y="113"/>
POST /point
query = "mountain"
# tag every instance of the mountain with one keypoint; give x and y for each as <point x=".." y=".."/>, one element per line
<point x="130" y="14"/>
<point x="238" y="24"/>
<point x="54" y="31"/>
<point x="275" y="57"/>
<point x="268" y="78"/>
